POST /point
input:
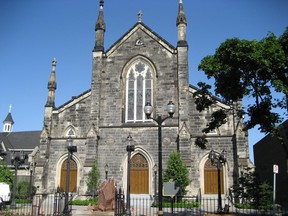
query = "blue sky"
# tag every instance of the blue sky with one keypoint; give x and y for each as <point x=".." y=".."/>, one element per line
<point x="33" y="32"/>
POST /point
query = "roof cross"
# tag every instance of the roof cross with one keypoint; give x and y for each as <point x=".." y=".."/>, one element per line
<point x="140" y="16"/>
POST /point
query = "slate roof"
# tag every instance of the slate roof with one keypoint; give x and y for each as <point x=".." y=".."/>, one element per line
<point x="25" y="141"/>
<point x="20" y="140"/>
<point x="9" y="118"/>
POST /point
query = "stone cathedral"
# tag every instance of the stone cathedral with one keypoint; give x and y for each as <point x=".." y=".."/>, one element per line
<point x="140" y="67"/>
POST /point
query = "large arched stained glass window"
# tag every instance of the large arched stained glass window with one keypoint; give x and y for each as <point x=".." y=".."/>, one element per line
<point x="139" y="89"/>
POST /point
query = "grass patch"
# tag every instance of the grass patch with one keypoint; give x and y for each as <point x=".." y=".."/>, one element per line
<point x="85" y="202"/>
<point x="182" y="204"/>
<point x="250" y="206"/>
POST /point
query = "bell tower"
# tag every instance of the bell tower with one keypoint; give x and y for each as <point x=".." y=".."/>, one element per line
<point x="8" y="122"/>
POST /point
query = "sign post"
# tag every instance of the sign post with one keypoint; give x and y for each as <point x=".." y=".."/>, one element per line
<point x="170" y="189"/>
<point x="275" y="171"/>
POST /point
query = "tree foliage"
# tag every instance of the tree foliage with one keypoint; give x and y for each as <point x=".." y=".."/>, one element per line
<point x="177" y="171"/>
<point x="252" y="69"/>
<point x="252" y="193"/>
<point x="6" y="174"/>
<point x="93" y="180"/>
<point x="23" y="190"/>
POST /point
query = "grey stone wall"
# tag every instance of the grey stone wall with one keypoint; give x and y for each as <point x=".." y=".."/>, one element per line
<point x="98" y="117"/>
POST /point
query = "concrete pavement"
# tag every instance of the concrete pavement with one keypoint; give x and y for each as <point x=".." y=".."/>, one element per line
<point x="87" y="210"/>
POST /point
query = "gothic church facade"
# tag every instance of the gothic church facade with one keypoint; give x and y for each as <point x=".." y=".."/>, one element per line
<point x="140" y="67"/>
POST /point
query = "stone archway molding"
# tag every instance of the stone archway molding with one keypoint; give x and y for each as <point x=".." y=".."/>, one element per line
<point x="201" y="166"/>
<point x="151" y="163"/>
<point x="59" y="164"/>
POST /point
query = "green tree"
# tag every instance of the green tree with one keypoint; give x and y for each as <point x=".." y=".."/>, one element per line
<point x="93" y="180"/>
<point x="22" y="190"/>
<point x="244" y="68"/>
<point x="177" y="171"/>
<point x="6" y="175"/>
<point x="249" y="192"/>
<point x="281" y="85"/>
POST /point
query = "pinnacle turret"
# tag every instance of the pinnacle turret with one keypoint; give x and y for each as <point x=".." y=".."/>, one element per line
<point x="181" y="23"/>
<point x="100" y="28"/>
<point x="52" y="86"/>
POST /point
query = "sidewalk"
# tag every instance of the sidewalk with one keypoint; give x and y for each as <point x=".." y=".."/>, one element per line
<point x="86" y="210"/>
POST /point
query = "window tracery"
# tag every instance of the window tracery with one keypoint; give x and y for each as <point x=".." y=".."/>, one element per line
<point x="70" y="132"/>
<point x="139" y="89"/>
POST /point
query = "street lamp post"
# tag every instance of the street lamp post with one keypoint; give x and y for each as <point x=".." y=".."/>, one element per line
<point x="16" y="160"/>
<point x="218" y="160"/>
<point x="30" y="186"/>
<point x="106" y="171"/>
<point x="31" y="167"/>
<point x="129" y="149"/>
<point x="71" y="149"/>
<point x="155" y="181"/>
<point x="159" y="120"/>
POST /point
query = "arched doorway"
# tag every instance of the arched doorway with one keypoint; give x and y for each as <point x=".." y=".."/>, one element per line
<point x="211" y="179"/>
<point x="73" y="176"/>
<point x="139" y="175"/>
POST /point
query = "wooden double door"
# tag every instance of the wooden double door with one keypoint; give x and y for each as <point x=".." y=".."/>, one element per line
<point x="73" y="176"/>
<point x="139" y="175"/>
<point x="211" y="179"/>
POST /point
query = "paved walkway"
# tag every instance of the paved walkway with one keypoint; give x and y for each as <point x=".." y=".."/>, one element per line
<point x="86" y="210"/>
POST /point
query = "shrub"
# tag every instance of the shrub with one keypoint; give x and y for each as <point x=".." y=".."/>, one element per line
<point x="22" y="190"/>
<point x="250" y="193"/>
<point x="93" y="179"/>
<point x="177" y="171"/>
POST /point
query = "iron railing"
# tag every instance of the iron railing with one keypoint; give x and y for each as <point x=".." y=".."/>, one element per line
<point x="119" y="203"/>
<point x="40" y="205"/>
<point x="53" y="205"/>
<point x="191" y="206"/>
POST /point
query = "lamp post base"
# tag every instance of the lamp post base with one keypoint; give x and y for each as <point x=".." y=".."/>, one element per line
<point x="128" y="212"/>
<point x="13" y="204"/>
<point x="220" y="210"/>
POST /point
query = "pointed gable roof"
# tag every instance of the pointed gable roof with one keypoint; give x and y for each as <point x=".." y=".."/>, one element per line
<point x="148" y="31"/>
<point x="9" y="119"/>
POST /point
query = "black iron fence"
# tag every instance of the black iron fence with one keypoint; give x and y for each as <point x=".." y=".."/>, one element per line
<point x="54" y="204"/>
<point x="40" y="205"/>
<point x="119" y="203"/>
<point x="190" y="206"/>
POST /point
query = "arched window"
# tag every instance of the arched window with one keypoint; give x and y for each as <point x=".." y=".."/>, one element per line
<point x="70" y="132"/>
<point x="139" y="90"/>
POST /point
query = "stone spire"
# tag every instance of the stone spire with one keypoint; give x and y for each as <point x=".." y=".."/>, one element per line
<point x="8" y="122"/>
<point x="100" y="28"/>
<point x="52" y="86"/>
<point x="181" y="23"/>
